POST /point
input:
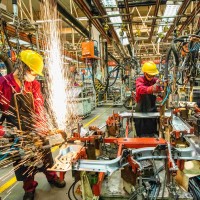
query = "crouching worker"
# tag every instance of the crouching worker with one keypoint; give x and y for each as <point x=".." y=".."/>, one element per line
<point x="146" y="87"/>
<point x="20" y="101"/>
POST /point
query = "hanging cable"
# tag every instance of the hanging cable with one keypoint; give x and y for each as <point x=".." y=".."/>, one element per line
<point x="30" y="36"/>
<point x="4" y="25"/>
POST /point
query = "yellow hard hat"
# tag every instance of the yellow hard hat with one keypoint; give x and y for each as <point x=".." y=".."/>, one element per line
<point x="150" y="68"/>
<point x="33" y="60"/>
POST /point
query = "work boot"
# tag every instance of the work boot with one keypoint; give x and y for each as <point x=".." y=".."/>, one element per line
<point x="58" y="183"/>
<point x="29" y="195"/>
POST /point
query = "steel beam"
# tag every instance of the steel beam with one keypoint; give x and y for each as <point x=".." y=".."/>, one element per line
<point x="141" y="3"/>
<point x="152" y="149"/>
<point x="130" y="20"/>
<point x="154" y="20"/>
<point x="112" y="30"/>
<point x="195" y="11"/>
<point x="181" y="11"/>
<point x="112" y="57"/>
<point x="72" y="19"/>
<point x="95" y="22"/>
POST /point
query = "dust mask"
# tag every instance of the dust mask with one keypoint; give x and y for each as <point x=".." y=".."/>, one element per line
<point x="29" y="77"/>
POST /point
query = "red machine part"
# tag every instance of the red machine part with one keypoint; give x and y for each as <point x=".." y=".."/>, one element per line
<point x="112" y="124"/>
<point x="197" y="109"/>
<point x="180" y="164"/>
<point x="136" y="142"/>
<point x="97" y="187"/>
<point x="80" y="155"/>
<point x="62" y="176"/>
<point x="96" y="129"/>
<point x="88" y="50"/>
<point x="126" y="142"/>
<point x="83" y="71"/>
<point x="133" y="164"/>
<point x="113" y="119"/>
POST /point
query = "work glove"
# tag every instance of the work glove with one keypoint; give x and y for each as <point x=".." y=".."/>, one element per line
<point x="156" y="88"/>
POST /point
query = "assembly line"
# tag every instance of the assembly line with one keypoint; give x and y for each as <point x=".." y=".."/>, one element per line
<point x="102" y="97"/>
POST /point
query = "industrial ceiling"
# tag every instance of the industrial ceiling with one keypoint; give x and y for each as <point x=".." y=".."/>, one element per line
<point x="131" y="27"/>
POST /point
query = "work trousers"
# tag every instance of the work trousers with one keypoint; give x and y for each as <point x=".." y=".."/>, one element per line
<point x="30" y="184"/>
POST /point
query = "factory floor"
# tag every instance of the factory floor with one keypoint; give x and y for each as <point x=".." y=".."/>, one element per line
<point x="10" y="189"/>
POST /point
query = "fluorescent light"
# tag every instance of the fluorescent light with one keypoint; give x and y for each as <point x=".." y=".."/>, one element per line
<point x="141" y="38"/>
<point x="170" y="10"/>
<point x="82" y="18"/>
<point x="117" y="19"/>
<point x="21" y="42"/>
<point x="109" y="3"/>
<point x="48" y="20"/>
<point x="123" y="39"/>
<point x="159" y="39"/>
<point x="113" y="12"/>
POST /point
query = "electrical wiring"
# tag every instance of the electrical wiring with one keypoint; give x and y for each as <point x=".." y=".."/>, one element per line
<point x="115" y="76"/>
<point x="167" y="96"/>
<point x="4" y="24"/>
<point x="68" y="193"/>
<point x="72" y="187"/>
<point x="132" y="63"/>
<point x="73" y="190"/>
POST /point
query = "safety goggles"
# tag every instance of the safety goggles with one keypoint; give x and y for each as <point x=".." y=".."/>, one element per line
<point x="31" y="72"/>
<point x="150" y="76"/>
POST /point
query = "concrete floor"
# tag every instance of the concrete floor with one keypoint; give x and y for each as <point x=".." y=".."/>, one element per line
<point x="44" y="191"/>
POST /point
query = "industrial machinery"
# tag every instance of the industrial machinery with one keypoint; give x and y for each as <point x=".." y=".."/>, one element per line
<point x="90" y="49"/>
<point x="138" y="161"/>
<point x="114" y="151"/>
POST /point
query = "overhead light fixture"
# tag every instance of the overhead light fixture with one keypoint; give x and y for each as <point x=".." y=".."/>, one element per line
<point x="170" y="10"/>
<point x="117" y="19"/>
<point x="169" y="15"/>
<point x="49" y="20"/>
<point x="141" y="38"/>
<point x="82" y="18"/>
<point x="21" y="42"/>
<point x="125" y="41"/>
<point x="124" y="38"/>
<point x="109" y="3"/>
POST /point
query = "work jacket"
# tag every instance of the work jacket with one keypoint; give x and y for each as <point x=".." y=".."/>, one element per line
<point x="8" y="87"/>
<point x="141" y="86"/>
<point x="146" y="102"/>
<point x="33" y="101"/>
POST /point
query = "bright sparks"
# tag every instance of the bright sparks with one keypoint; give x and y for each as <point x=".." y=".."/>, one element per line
<point x="57" y="78"/>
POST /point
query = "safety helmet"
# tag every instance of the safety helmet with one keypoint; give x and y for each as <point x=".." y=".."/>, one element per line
<point x="150" y="68"/>
<point x="33" y="60"/>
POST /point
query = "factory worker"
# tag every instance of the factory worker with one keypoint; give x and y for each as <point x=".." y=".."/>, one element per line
<point x="146" y="88"/>
<point x="29" y="102"/>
